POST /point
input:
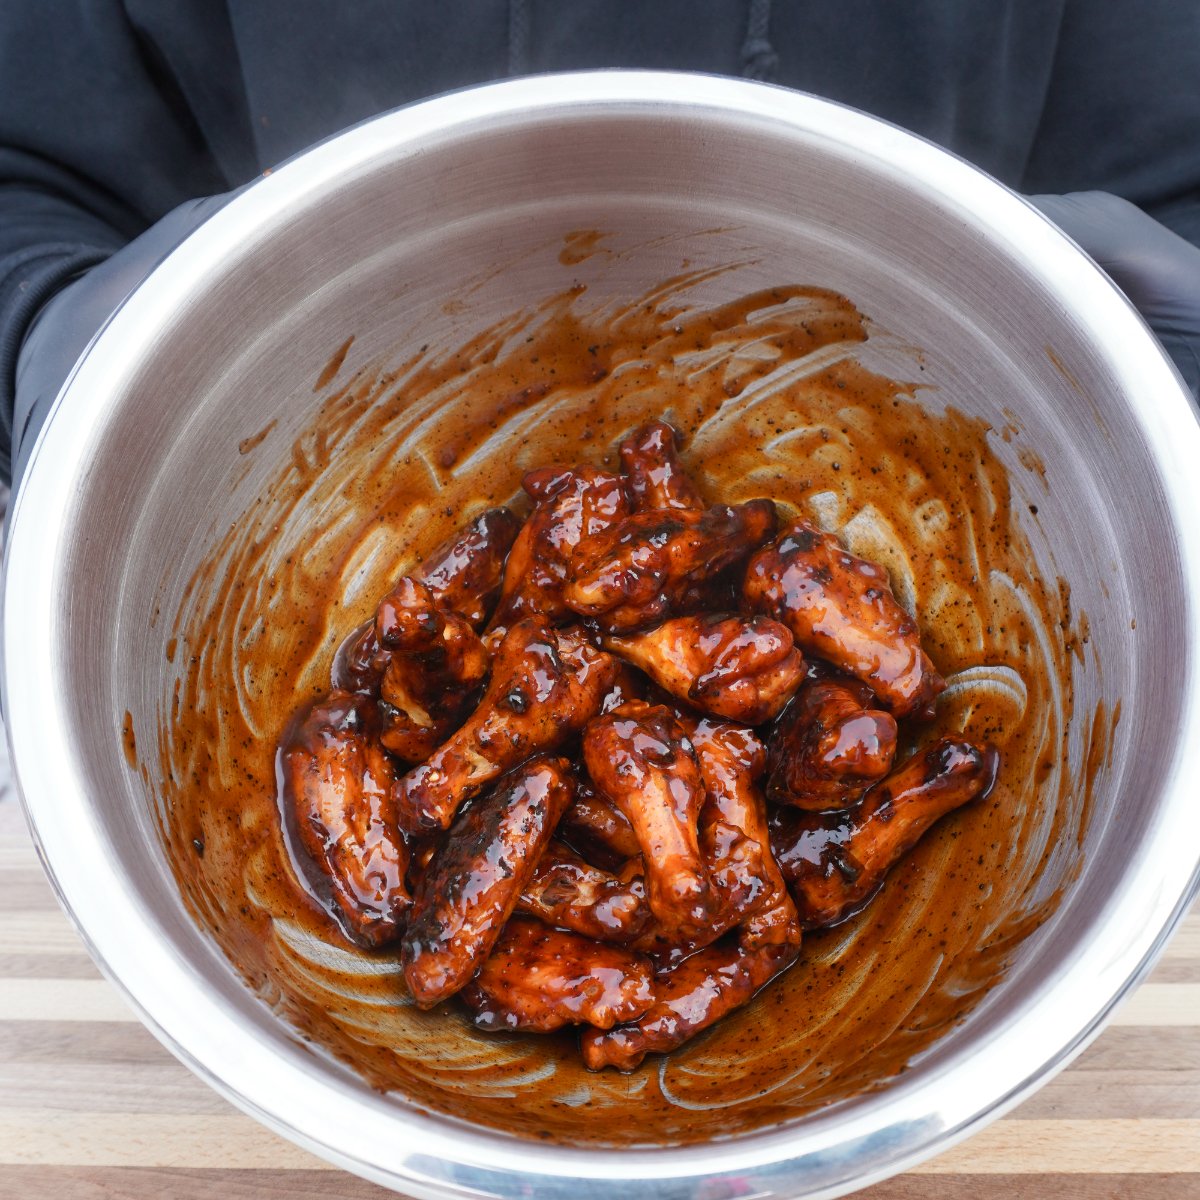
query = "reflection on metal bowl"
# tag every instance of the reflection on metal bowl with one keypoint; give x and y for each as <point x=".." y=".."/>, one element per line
<point x="378" y="339"/>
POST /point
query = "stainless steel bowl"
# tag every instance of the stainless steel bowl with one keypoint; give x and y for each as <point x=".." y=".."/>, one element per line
<point x="137" y="475"/>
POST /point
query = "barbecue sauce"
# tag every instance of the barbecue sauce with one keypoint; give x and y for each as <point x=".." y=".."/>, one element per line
<point x="772" y="398"/>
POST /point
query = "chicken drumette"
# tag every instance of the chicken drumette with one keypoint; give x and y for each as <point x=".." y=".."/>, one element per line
<point x="841" y="608"/>
<point x="546" y="684"/>
<point x="336" y="789"/>
<point x="472" y="887"/>
<point x="830" y="745"/>
<point x="834" y="863"/>
<point x="742" y="668"/>
<point x="644" y="568"/>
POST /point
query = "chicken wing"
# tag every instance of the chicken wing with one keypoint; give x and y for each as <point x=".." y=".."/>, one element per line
<point x="688" y="998"/>
<point x="335" y="790"/>
<point x="359" y="662"/>
<point x="639" y="571"/>
<point x="742" y="668"/>
<point x="834" y="863"/>
<point x="539" y="979"/>
<point x="735" y="846"/>
<point x="841" y="608"/>
<point x="628" y="685"/>
<point x="465" y="573"/>
<point x="421" y="852"/>
<point x="732" y="760"/>
<point x="657" y="480"/>
<point x="830" y="745"/>
<point x="598" y="829"/>
<point x="473" y="885"/>
<point x="546" y="685"/>
<point x="463" y="576"/>
<point x="572" y="505"/>
<point x="569" y="893"/>
<point x="436" y="666"/>
<point x="640" y="759"/>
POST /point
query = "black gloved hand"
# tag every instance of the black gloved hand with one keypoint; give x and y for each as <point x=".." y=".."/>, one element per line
<point x="1157" y="269"/>
<point x="71" y="319"/>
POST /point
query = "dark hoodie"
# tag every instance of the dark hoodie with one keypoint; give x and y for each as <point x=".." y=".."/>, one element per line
<point x="112" y="112"/>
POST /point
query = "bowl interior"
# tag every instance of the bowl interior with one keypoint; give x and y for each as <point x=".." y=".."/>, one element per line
<point x="354" y="372"/>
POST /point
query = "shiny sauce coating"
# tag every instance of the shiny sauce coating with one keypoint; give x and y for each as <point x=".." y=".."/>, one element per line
<point x="905" y="481"/>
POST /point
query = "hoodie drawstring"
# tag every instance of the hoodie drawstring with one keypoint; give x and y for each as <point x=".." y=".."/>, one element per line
<point x="758" y="57"/>
<point x="518" y="37"/>
<point x="759" y="60"/>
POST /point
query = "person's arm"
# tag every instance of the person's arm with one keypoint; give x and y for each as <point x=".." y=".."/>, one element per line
<point x="1122" y="116"/>
<point x="96" y="144"/>
<point x="1158" y="269"/>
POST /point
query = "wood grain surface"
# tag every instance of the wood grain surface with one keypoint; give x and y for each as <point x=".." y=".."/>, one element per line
<point x="93" y="1108"/>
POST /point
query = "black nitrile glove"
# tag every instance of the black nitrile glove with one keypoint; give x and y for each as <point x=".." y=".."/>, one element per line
<point x="71" y="319"/>
<point x="1157" y="269"/>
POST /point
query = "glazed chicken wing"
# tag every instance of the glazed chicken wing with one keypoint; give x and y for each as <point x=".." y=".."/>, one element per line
<point x="546" y="684"/>
<point x="572" y="505"/>
<point x="336" y="791"/>
<point x="640" y="570"/>
<point x="569" y="893"/>
<point x="640" y="759"/>
<point x="436" y="665"/>
<point x="359" y="662"/>
<point x="834" y="863"/>
<point x="688" y="998"/>
<point x="657" y="480"/>
<point x="539" y="979"/>
<point x="830" y="746"/>
<point x="742" y="668"/>
<point x="474" y="883"/>
<point x="598" y="829"/>
<point x="627" y="685"/>
<point x="732" y="760"/>
<point x="735" y="845"/>
<point x="841" y="608"/>
<point x="464" y="574"/>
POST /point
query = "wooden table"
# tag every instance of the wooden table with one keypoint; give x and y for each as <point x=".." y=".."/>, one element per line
<point x="91" y="1106"/>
